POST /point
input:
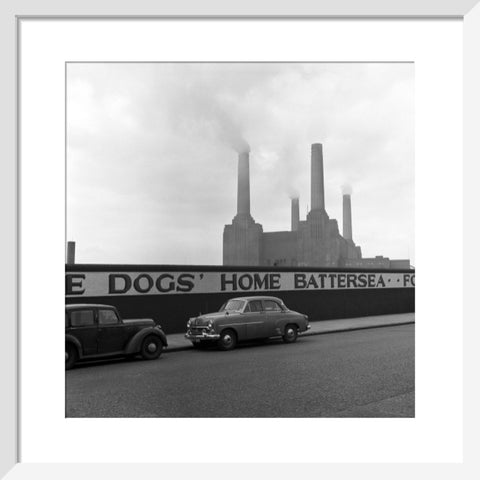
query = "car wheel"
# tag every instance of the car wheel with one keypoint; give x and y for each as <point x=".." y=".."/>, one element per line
<point x="151" y="347"/>
<point x="291" y="334"/>
<point x="71" y="356"/>
<point x="227" y="340"/>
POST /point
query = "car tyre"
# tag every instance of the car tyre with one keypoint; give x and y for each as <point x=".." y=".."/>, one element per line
<point x="151" y="347"/>
<point x="71" y="355"/>
<point x="227" y="340"/>
<point x="291" y="333"/>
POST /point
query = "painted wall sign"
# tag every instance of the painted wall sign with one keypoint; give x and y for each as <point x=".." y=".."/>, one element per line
<point x="101" y="284"/>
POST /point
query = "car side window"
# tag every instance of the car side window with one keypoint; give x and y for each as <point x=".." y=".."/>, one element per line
<point x="271" y="306"/>
<point x="247" y="308"/>
<point x="107" y="317"/>
<point x="81" y="318"/>
<point x="256" y="306"/>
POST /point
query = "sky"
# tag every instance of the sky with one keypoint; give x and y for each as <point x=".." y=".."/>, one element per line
<point x="152" y="154"/>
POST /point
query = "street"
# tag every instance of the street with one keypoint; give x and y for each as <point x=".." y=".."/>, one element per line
<point x="365" y="373"/>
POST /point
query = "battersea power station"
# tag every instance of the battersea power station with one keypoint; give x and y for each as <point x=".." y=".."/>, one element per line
<point x="313" y="242"/>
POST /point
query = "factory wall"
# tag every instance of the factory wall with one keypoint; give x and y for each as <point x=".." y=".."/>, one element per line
<point x="168" y="294"/>
<point x="377" y="262"/>
<point x="242" y="241"/>
<point x="400" y="263"/>
<point x="279" y="248"/>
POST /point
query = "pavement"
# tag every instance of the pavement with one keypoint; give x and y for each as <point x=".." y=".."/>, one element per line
<point x="178" y="342"/>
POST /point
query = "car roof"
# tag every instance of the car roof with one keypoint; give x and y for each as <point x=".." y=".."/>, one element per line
<point x="73" y="306"/>
<point x="258" y="297"/>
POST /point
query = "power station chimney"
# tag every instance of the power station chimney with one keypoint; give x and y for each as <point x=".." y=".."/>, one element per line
<point x="317" y="188"/>
<point x="295" y="214"/>
<point x="243" y="193"/>
<point x="70" y="253"/>
<point x="347" y="216"/>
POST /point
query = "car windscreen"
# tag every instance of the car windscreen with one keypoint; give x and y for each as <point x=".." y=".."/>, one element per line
<point x="233" y="306"/>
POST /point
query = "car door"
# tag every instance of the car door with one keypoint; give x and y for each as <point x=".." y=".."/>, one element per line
<point x="254" y="316"/>
<point x="84" y="328"/>
<point x="111" y="332"/>
<point x="273" y="317"/>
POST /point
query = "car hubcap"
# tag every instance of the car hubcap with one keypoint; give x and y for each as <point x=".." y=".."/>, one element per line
<point x="152" y="347"/>
<point x="66" y="356"/>
<point x="227" y="339"/>
<point x="290" y="333"/>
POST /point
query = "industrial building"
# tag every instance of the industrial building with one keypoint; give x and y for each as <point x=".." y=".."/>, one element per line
<point x="313" y="242"/>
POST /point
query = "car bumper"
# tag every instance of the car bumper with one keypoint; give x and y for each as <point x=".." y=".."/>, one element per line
<point x="307" y="328"/>
<point x="201" y="336"/>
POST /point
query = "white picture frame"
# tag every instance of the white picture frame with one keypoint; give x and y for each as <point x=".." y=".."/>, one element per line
<point x="12" y="15"/>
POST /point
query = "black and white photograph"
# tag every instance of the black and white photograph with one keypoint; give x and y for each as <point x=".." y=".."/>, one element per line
<point x="240" y="239"/>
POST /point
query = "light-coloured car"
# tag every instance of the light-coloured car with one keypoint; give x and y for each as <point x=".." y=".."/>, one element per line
<point x="246" y="318"/>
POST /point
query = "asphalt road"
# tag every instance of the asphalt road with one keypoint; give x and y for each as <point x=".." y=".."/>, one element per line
<point x="367" y="373"/>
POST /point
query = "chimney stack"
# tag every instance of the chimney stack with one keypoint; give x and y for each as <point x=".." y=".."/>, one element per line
<point x="70" y="253"/>
<point x="243" y="192"/>
<point x="295" y="214"/>
<point x="347" y="216"/>
<point x="317" y="188"/>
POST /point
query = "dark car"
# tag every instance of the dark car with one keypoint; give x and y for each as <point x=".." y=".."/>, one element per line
<point x="246" y="318"/>
<point x="97" y="331"/>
